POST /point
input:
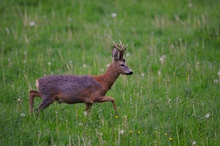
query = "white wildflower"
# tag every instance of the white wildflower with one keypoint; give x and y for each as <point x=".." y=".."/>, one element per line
<point x="194" y="142"/>
<point x="84" y="65"/>
<point x="215" y="80"/>
<point x="207" y="116"/>
<point x="121" y="131"/>
<point x="49" y="63"/>
<point x="162" y="59"/>
<point x="159" y="72"/>
<point x="85" y="113"/>
<point x="114" y="15"/>
<point x="142" y="74"/>
<point x="32" y="23"/>
<point x="219" y="73"/>
<point x="80" y="124"/>
<point x="22" y="115"/>
<point x="19" y="99"/>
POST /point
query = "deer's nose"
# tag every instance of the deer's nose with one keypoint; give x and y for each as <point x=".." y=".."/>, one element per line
<point x="130" y="73"/>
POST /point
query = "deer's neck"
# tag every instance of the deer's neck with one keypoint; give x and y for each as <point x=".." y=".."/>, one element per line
<point x="108" y="78"/>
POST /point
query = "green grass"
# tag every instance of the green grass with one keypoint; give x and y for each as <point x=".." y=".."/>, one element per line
<point x="173" y="98"/>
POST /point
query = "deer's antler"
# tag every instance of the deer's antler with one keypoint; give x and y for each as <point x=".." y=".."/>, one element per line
<point x="120" y="47"/>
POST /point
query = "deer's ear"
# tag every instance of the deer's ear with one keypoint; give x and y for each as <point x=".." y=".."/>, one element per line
<point x="115" y="54"/>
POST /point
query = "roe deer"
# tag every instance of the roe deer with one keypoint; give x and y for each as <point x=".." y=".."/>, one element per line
<point x="86" y="89"/>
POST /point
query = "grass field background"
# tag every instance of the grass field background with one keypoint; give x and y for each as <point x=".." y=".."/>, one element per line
<point x="173" y="97"/>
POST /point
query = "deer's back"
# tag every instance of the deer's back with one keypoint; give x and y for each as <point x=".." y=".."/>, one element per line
<point x="68" y="87"/>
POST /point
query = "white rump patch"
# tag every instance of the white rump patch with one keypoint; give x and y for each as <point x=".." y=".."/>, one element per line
<point x="37" y="84"/>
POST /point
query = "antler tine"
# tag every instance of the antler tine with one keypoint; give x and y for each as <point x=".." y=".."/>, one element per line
<point x="114" y="43"/>
<point x="125" y="47"/>
<point x="122" y="47"/>
<point x="116" y="46"/>
<point x="120" y="43"/>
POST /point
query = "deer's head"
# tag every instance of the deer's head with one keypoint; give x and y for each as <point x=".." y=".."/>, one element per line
<point x="118" y="59"/>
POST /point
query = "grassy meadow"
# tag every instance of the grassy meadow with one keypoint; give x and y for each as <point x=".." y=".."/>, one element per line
<point x="173" y="97"/>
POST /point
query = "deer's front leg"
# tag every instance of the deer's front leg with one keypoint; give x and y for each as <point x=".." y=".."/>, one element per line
<point x="108" y="99"/>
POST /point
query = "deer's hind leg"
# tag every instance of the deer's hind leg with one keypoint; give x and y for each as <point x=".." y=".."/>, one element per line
<point x="46" y="101"/>
<point x="33" y="94"/>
